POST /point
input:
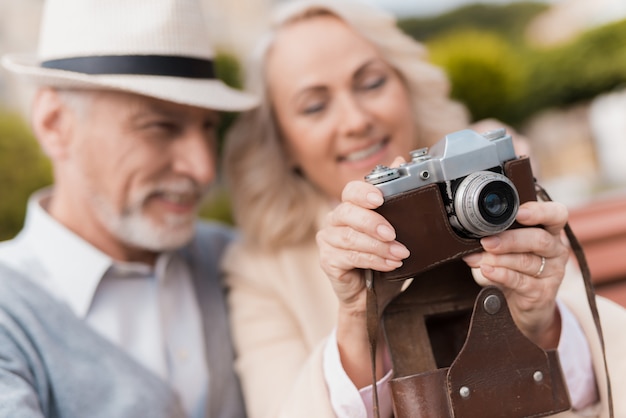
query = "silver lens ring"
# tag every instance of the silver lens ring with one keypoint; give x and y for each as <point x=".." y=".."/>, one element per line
<point x="485" y="203"/>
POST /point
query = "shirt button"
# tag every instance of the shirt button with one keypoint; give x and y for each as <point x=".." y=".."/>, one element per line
<point x="183" y="355"/>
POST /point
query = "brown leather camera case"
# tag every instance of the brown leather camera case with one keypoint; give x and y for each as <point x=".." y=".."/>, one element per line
<point x="450" y="357"/>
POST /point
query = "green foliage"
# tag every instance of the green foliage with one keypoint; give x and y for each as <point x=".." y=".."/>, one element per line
<point x="218" y="206"/>
<point x="23" y="169"/>
<point x="228" y="70"/>
<point x="508" y="20"/>
<point x="485" y="72"/>
<point x="592" y="64"/>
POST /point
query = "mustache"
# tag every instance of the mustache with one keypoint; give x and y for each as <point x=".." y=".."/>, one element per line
<point x="181" y="186"/>
<point x="185" y="187"/>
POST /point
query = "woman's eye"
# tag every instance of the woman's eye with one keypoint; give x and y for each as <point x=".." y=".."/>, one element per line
<point x="374" y="83"/>
<point x="313" y="108"/>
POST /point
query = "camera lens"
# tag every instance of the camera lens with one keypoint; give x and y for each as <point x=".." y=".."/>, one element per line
<point x="495" y="201"/>
<point x="495" y="204"/>
<point x="485" y="203"/>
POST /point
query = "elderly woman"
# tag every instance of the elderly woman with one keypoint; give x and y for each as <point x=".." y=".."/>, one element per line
<point x="342" y="91"/>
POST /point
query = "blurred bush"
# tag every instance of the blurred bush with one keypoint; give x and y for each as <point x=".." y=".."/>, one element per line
<point x="227" y="69"/>
<point x="508" y="20"/>
<point x="217" y="206"/>
<point x="593" y="63"/>
<point x="23" y="169"/>
<point x="485" y="72"/>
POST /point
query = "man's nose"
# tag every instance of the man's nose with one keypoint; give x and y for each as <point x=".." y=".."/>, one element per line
<point x="195" y="157"/>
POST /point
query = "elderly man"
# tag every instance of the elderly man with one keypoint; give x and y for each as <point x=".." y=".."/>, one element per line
<point x="110" y="299"/>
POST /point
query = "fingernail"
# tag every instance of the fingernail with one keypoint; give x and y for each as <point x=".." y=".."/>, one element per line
<point x="399" y="250"/>
<point x="386" y="232"/>
<point x="393" y="263"/>
<point x="473" y="258"/>
<point x="523" y="213"/>
<point x="490" y="242"/>
<point x="375" y="199"/>
<point x="486" y="268"/>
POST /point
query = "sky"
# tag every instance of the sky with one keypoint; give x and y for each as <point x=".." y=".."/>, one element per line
<point x="430" y="7"/>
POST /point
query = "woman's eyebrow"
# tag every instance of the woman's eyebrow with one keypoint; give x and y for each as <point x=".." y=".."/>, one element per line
<point x="309" y="90"/>
<point x="363" y="67"/>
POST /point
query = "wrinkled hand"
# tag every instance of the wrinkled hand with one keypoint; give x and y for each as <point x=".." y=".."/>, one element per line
<point x="356" y="237"/>
<point x="512" y="260"/>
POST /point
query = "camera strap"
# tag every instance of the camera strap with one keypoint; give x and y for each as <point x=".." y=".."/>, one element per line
<point x="381" y="292"/>
<point x="591" y="297"/>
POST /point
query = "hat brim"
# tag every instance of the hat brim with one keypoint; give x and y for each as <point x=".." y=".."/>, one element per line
<point x="205" y="93"/>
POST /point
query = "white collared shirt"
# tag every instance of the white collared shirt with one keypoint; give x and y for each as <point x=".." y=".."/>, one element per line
<point x="149" y="312"/>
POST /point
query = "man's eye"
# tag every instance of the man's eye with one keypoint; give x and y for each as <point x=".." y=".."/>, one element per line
<point x="163" y="127"/>
<point x="212" y="122"/>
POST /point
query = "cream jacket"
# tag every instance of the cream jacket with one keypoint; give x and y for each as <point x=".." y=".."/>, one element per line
<point x="283" y="308"/>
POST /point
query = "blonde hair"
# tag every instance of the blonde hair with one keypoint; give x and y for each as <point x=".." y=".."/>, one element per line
<point x="275" y="206"/>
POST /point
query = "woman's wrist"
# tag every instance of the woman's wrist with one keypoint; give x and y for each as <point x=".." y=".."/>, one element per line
<point x="354" y="348"/>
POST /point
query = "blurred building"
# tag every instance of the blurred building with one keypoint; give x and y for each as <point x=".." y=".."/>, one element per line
<point x="19" y="23"/>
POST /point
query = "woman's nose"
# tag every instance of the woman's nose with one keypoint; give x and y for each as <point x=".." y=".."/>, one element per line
<point x="355" y="119"/>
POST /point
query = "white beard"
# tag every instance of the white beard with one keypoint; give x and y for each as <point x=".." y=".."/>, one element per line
<point x="132" y="227"/>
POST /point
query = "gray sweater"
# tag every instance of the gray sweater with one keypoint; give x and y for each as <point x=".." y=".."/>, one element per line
<point x="53" y="365"/>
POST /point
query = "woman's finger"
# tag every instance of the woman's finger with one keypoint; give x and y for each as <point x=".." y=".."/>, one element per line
<point x="362" y="194"/>
<point x="362" y="220"/>
<point x="525" y="240"/>
<point x="552" y="216"/>
<point x="348" y="239"/>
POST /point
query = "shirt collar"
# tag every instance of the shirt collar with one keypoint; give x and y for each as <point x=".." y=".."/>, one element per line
<point x="74" y="266"/>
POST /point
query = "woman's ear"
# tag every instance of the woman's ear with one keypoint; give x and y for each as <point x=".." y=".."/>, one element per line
<point x="50" y="117"/>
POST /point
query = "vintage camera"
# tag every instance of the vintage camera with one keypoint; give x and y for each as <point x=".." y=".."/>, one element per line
<point x="466" y="186"/>
<point x="468" y="167"/>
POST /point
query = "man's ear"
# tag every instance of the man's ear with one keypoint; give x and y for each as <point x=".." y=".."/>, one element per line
<point x="50" y="117"/>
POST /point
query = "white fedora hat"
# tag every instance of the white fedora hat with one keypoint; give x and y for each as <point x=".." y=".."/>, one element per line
<point x="156" y="48"/>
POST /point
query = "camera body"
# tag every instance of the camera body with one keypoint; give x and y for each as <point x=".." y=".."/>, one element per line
<point x="468" y="167"/>
<point x="466" y="186"/>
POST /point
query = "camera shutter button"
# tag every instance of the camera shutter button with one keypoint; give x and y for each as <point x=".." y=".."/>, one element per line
<point x="494" y="134"/>
<point x="419" y="155"/>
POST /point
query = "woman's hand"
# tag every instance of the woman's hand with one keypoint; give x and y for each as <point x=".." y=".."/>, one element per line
<point x="528" y="264"/>
<point x="356" y="237"/>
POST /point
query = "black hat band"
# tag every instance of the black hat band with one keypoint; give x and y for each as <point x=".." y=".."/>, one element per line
<point x="159" y="65"/>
